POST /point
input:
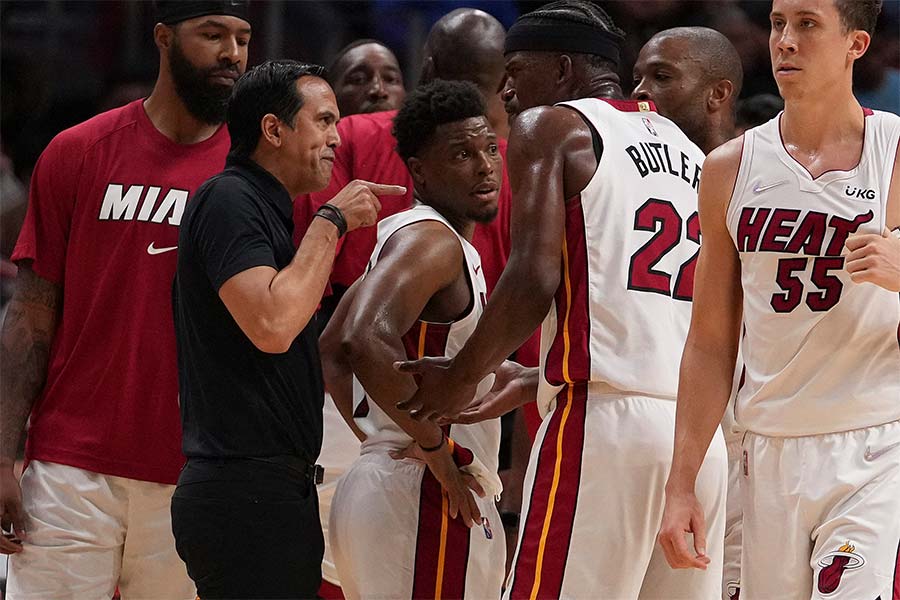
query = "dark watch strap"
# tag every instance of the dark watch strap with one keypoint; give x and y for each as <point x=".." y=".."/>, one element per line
<point x="332" y="213"/>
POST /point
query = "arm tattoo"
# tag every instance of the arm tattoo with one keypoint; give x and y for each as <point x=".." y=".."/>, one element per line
<point x="25" y="339"/>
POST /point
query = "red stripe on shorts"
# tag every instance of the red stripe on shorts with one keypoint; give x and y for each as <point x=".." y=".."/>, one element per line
<point x="442" y="546"/>
<point x="897" y="575"/>
<point x="544" y="548"/>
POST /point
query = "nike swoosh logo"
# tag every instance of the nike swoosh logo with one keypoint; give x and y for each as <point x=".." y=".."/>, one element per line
<point x="758" y="189"/>
<point x="870" y="456"/>
<point x="478" y="268"/>
<point x="151" y="250"/>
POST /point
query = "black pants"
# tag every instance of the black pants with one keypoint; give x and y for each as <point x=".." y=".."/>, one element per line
<point x="248" y="529"/>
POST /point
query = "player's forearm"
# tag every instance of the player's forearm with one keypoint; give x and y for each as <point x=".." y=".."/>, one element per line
<point x="296" y="291"/>
<point x="26" y="337"/>
<point x="516" y="308"/>
<point x="703" y="391"/>
<point x="339" y="383"/>
<point x="371" y="356"/>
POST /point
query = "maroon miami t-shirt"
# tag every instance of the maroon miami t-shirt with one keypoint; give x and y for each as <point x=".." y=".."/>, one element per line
<point x="106" y="201"/>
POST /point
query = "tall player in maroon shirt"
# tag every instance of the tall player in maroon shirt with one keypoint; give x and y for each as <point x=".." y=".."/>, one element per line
<point x="88" y="344"/>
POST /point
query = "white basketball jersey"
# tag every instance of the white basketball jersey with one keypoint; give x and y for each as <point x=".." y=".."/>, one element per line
<point x="821" y="353"/>
<point x="426" y="338"/>
<point x="622" y="310"/>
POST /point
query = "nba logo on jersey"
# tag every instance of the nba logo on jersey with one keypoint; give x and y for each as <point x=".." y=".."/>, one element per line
<point x="649" y="125"/>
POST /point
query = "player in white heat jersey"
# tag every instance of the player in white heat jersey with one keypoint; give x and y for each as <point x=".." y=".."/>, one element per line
<point x="796" y="240"/>
<point x="404" y="523"/>
<point x="605" y="234"/>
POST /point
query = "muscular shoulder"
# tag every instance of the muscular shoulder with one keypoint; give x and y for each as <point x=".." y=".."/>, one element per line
<point x="424" y="246"/>
<point x="723" y="162"/>
<point x="720" y="170"/>
<point x="548" y="127"/>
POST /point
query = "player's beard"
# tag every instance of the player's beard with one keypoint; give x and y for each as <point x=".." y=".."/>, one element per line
<point x="483" y="215"/>
<point x="205" y="100"/>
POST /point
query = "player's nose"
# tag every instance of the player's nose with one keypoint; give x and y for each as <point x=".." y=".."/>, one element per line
<point x="377" y="88"/>
<point x="641" y="92"/>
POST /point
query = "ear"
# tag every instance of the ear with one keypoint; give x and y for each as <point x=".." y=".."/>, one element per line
<point x="564" y="69"/>
<point x="859" y="43"/>
<point x="162" y="36"/>
<point x="415" y="169"/>
<point x="270" y="126"/>
<point x="719" y="94"/>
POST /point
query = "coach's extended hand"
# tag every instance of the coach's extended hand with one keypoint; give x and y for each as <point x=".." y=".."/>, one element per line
<point x="440" y="393"/>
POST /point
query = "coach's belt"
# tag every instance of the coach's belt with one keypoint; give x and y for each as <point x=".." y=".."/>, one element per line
<point x="315" y="473"/>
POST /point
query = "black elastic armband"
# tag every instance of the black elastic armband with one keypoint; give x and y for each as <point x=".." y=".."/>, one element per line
<point x="434" y="448"/>
<point x="332" y="213"/>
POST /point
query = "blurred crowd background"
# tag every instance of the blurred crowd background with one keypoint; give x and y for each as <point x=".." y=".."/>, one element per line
<point x="63" y="61"/>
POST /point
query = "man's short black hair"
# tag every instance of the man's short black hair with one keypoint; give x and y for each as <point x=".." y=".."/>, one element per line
<point x="859" y="14"/>
<point x="430" y="106"/>
<point x="266" y="88"/>
<point x="576" y="11"/>
<point x="585" y="16"/>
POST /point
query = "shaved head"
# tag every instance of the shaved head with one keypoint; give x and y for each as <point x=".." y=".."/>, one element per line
<point x="694" y="76"/>
<point x="467" y="45"/>
<point x="711" y="50"/>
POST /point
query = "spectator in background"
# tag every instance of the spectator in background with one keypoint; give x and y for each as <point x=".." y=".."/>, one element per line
<point x="366" y="78"/>
<point x="88" y="342"/>
<point x="756" y="110"/>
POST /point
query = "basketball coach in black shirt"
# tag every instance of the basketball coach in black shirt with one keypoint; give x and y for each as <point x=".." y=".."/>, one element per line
<point x="245" y="512"/>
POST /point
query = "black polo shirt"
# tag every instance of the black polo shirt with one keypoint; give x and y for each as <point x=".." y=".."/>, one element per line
<point x="237" y="401"/>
